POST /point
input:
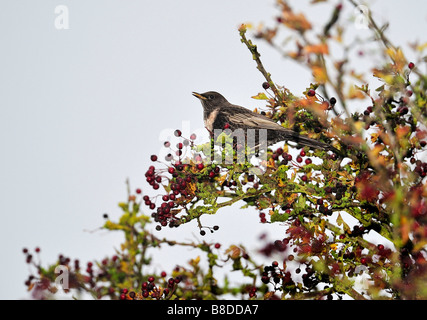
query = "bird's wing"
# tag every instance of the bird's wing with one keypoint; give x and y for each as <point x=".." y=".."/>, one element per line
<point x="247" y="118"/>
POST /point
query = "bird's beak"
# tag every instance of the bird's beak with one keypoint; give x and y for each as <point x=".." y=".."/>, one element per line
<point x="199" y="96"/>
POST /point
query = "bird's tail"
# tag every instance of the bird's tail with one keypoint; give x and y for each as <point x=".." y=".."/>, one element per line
<point x="305" y="141"/>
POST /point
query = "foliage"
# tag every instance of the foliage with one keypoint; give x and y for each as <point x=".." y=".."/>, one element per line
<point x="377" y="178"/>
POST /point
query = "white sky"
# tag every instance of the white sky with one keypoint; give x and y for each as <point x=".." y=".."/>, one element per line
<point x="82" y="109"/>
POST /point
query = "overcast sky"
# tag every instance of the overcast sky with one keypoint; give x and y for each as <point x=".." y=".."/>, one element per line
<point x="82" y="110"/>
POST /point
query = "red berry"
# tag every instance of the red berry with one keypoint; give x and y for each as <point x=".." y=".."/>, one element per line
<point x="380" y="247"/>
<point x="200" y="166"/>
<point x="167" y="144"/>
<point x="179" y="145"/>
<point x="151" y="279"/>
<point x="217" y="245"/>
<point x="308" y="161"/>
<point x="163" y="274"/>
<point x="138" y="191"/>
<point x="177" y="133"/>
<point x="211" y="174"/>
<point x="226" y="126"/>
<point x="299" y="159"/>
<point x="122" y="296"/>
<point x="153" y="158"/>
<point x="411" y="65"/>
<point x="37" y="249"/>
<point x="311" y="93"/>
<point x="364" y="261"/>
<point x="193" y="136"/>
<point x="171" y="170"/>
<point x="304" y="178"/>
<point x="302" y="153"/>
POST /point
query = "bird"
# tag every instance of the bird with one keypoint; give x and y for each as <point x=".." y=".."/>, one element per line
<point x="218" y="113"/>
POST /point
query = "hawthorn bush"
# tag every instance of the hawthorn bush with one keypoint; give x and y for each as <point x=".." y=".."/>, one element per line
<point x="377" y="178"/>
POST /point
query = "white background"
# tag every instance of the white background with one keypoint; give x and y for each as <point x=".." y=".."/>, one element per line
<point x="81" y="110"/>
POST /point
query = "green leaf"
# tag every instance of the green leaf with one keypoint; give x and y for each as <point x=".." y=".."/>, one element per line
<point x="340" y="221"/>
<point x="264" y="203"/>
<point x="279" y="217"/>
<point x="260" y="96"/>
<point x="300" y="204"/>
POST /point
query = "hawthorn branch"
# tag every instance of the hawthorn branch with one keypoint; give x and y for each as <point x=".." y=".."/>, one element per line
<point x="256" y="56"/>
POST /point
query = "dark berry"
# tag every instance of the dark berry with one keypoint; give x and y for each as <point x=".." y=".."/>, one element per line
<point x="332" y="101"/>
<point x="265" y="279"/>
<point x="153" y="157"/>
<point x="266" y="85"/>
<point x="311" y="93"/>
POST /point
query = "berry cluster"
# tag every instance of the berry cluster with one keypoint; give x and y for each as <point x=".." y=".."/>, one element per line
<point x="179" y="178"/>
<point x="275" y="275"/>
<point x="151" y="290"/>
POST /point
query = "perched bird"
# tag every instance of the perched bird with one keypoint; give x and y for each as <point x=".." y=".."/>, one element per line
<point x="218" y="113"/>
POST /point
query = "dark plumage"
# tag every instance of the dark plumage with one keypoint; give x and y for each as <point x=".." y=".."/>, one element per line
<point x="217" y="112"/>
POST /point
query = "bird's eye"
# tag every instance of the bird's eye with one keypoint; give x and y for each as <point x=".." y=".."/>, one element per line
<point x="211" y="97"/>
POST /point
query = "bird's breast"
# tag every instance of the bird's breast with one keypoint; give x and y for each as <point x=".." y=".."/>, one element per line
<point x="210" y="119"/>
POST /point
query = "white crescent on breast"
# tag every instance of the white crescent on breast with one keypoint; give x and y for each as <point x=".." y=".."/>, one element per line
<point x="209" y="121"/>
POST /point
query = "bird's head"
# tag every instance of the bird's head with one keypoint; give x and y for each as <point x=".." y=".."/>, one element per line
<point x="210" y="99"/>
